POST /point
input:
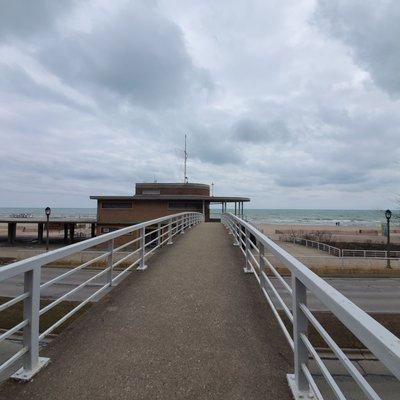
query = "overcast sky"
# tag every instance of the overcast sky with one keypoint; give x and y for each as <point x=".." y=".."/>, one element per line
<point x="295" y="104"/>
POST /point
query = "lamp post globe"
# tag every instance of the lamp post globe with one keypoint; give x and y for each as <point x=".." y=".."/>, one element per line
<point x="388" y="215"/>
<point x="47" y="211"/>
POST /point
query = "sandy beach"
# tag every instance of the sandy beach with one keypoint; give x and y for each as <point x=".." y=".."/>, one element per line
<point x="354" y="233"/>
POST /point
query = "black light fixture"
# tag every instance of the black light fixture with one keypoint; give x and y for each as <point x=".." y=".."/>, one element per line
<point x="47" y="211"/>
<point x="388" y="215"/>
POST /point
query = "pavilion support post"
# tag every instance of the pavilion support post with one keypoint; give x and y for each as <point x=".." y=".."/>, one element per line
<point x="71" y="232"/>
<point x="9" y="235"/>
<point x="235" y="208"/>
<point x="65" y="233"/>
<point x="40" y="232"/>
<point x="12" y="232"/>
<point x="93" y="229"/>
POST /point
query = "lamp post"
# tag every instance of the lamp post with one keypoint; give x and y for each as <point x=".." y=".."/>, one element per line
<point x="388" y="215"/>
<point x="47" y="211"/>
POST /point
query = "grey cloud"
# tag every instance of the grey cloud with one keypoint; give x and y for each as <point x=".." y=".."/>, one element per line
<point x="252" y="131"/>
<point x="20" y="18"/>
<point x="15" y="81"/>
<point x="290" y="122"/>
<point x="138" y="54"/>
<point x="303" y="177"/>
<point x="213" y="148"/>
<point x="372" y="30"/>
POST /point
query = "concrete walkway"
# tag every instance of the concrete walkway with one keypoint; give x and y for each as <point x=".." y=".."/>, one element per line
<point x="192" y="326"/>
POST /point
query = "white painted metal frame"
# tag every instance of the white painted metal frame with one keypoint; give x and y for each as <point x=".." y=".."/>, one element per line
<point x="166" y="229"/>
<point x="382" y="343"/>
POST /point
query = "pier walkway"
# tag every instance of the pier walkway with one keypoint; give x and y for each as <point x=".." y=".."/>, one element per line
<point x="192" y="326"/>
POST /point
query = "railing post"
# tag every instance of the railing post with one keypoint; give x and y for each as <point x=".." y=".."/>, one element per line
<point x="159" y="234"/>
<point x="170" y="231"/>
<point x="234" y="232"/>
<point x="247" y="269"/>
<point x="110" y="261"/>
<point x="298" y="382"/>
<point x="182" y="225"/>
<point x="261" y="261"/>
<point x="32" y="363"/>
<point x="142" y="266"/>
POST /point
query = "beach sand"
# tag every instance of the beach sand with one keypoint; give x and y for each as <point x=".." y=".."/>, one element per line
<point x="354" y="233"/>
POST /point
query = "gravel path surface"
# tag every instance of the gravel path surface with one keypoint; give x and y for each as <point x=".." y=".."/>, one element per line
<point x="192" y="326"/>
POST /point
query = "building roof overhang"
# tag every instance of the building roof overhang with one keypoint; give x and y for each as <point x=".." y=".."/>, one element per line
<point x="211" y="199"/>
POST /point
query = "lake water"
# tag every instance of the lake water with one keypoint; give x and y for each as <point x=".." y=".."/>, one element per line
<point x="306" y="217"/>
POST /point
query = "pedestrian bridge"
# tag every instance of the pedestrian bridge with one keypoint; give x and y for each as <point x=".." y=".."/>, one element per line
<point x="198" y="322"/>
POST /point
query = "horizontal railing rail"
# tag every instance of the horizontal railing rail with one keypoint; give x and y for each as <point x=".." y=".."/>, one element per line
<point x="383" y="344"/>
<point x="147" y="238"/>
<point x="337" y="252"/>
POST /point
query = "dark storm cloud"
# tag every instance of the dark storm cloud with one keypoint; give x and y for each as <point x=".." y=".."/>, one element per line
<point x="138" y="55"/>
<point x="372" y="30"/>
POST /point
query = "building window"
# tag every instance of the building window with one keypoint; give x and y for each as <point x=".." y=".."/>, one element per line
<point x="185" y="205"/>
<point x="116" y="204"/>
<point x="151" y="191"/>
<point x="108" y="230"/>
<point x="115" y="228"/>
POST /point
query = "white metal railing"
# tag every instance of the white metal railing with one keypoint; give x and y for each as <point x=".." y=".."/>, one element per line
<point x="164" y="229"/>
<point x="337" y="252"/>
<point x="334" y="251"/>
<point x="382" y="343"/>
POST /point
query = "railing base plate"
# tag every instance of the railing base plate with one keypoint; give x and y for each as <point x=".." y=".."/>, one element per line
<point x="295" y="393"/>
<point x="247" y="270"/>
<point x="141" y="268"/>
<point x="25" y="376"/>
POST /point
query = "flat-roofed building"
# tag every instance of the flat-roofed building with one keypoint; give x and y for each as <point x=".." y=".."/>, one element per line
<point x="155" y="200"/>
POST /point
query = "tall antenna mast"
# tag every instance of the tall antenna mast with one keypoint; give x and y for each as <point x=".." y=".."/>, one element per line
<point x="185" y="178"/>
